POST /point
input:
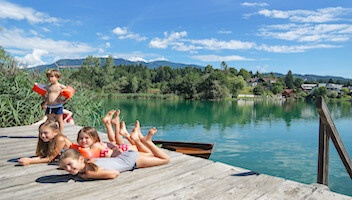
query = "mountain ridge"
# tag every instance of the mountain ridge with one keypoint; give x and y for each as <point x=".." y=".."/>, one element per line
<point x="156" y="64"/>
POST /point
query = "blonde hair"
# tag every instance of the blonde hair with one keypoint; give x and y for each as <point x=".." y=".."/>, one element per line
<point x="91" y="132"/>
<point x="47" y="149"/>
<point x="75" y="155"/>
<point x="53" y="72"/>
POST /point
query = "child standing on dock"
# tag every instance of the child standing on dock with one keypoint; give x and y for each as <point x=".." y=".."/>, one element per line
<point x="50" y="144"/>
<point x="54" y="99"/>
<point x="108" y="168"/>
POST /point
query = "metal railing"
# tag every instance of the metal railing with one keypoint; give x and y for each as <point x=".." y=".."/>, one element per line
<point x="328" y="130"/>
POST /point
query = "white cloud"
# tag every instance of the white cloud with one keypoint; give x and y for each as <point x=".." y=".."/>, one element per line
<point x="176" y="41"/>
<point x="216" y="58"/>
<point x="13" y="11"/>
<point x="215" y="44"/>
<point x="158" y="59"/>
<point x="17" y="40"/>
<point x="309" y="32"/>
<point x="224" y="32"/>
<point x="120" y="31"/>
<point x="168" y="39"/>
<point x="32" y="59"/>
<point x="136" y="37"/>
<point x="294" y="48"/>
<point x="308" y="16"/>
<point x="248" y="4"/>
<point x="107" y="45"/>
<point x="102" y="36"/>
<point x="136" y="59"/>
<point x="124" y="33"/>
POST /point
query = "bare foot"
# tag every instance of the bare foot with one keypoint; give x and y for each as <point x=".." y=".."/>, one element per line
<point x="123" y="130"/>
<point x="138" y="126"/>
<point x="116" y="119"/>
<point x="134" y="134"/>
<point x="149" y="136"/>
<point x="107" y="118"/>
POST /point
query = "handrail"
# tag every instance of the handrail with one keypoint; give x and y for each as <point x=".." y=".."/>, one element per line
<point x="328" y="130"/>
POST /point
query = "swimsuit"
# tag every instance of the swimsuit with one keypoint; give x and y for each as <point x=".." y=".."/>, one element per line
<point x="68" y="119"/>
<point x="104" y="152"/>
<point x="54" y="109"/>
<point x="126" y="161"/>
<point x="123" y="147"/>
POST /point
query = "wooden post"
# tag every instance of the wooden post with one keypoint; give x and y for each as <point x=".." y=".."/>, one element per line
<point x="327" y="129"/>
<point x="323" y="154"/>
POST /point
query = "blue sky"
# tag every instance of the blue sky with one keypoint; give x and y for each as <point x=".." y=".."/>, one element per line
<point x="304" y="36"/>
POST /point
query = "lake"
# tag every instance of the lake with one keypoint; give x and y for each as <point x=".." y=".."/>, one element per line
<point x="270" y="137"/>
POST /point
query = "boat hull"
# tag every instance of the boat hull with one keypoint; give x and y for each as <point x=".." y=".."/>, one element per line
<point x="202" y="150"/>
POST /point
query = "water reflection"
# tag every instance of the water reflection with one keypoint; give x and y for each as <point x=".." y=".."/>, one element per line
<point x="272" y="137"/>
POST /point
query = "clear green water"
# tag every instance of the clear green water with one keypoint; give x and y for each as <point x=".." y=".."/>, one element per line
<point x="273" y="137"/>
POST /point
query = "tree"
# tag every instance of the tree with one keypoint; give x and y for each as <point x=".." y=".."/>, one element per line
<point x="224" y="66"/>
<point x="208" y="69"/>
<point x="91" y="61"/>
<point x="7" y="64"/>
<point x="245" y="74"/>
<point x="289" y="80"/>
<point x="236" y="84"/>
<point x="108" y="70"/>
<point x="258" y="90"/>
<point x="298" y="82"/>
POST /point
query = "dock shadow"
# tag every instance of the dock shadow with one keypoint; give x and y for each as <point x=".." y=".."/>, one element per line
<point x="15" y="160"/>
<point x="250" y="173"/>
<point x="19" y="137"/>
<point x="64" y="178"/>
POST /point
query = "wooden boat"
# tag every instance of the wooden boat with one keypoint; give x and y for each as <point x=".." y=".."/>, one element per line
<point x="202" y="150"/>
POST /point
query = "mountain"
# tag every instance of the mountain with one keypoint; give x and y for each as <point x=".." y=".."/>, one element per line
<point x="73" y="63"/>
<point x="313" y="78"/>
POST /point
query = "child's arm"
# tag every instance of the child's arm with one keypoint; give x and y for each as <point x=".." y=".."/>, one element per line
<point x="100" y="174"/>
<point x="60" y="144"/>
<point x="34" y="160"/>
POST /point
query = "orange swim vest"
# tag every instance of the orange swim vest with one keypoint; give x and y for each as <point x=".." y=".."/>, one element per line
<point x="88" y="153"/>
<point x="39" y="88"/>
<point x="68" y="92"/>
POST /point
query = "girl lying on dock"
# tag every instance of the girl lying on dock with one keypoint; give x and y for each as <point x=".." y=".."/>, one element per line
<point x="90" y="145"/>
<point x="108" y="168"/>
<point x="50" y="144"/>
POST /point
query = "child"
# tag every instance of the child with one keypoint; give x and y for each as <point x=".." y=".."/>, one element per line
<point x="89" y="141"/>
<point x="54" y="99"/>
<point x="67" y="116"/>
<point x="108" y="168"/>
<point x="50" y="144"/>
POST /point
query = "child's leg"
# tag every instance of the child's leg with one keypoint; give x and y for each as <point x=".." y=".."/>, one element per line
<point x="124" y="132"/>
<point x="116" y="122"/>
<point x="60" y="121"/>
<point x="135" y="137"/>
<point x="160" y="158"/>
<point x="107" y="122"/>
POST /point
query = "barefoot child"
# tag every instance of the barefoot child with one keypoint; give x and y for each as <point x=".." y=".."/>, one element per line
<point x="54" y="99"/>
<point x="108" y="168"/>
<point x="91" y="146"/>
<point x="50" y="144"/>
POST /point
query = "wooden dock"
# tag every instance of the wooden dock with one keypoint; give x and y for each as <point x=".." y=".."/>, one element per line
<point x="185" y="177"/>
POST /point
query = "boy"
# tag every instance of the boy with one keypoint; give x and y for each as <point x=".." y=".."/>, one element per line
<point x="54" y="99"/>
